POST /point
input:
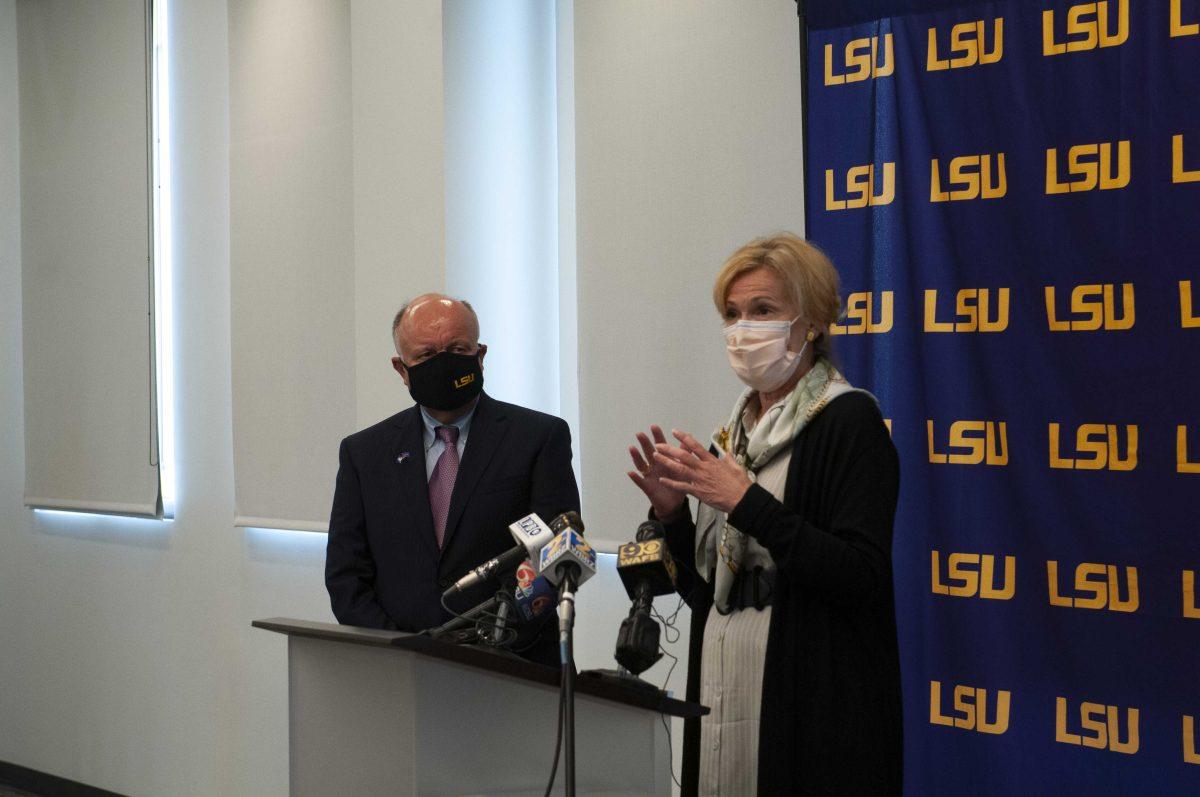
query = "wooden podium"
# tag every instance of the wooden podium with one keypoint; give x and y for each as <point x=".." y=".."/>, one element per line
<point x="388" y="713"/>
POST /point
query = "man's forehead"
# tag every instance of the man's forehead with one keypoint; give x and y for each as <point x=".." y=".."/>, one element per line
<point x="438" y="313"/>
<point x="438" y="318"/>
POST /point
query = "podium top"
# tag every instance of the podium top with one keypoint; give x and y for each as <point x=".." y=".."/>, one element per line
<point x="484" y="659"/>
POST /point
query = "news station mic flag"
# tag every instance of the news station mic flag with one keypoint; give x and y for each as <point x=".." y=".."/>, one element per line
<point x="1011" y="193"/>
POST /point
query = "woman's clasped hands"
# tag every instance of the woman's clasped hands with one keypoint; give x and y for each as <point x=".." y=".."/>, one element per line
<point x="667" y="474"/>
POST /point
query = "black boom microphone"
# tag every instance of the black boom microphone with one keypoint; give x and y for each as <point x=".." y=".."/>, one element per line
<point x="646" y="569"/>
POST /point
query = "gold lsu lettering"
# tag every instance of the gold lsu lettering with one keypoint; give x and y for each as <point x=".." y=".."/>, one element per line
<point x="1178" y="26"/>
<point x="1099" y="727"/>
<point x="1190" y="755"/>
<point x="1097" y="447"/>
<point x="860" y="187"/>
<point x="985" y="442"/>
<point x="1088" y="27"/>
<point x="971" y="574"/>
<point x="1093" y="307"/>
<point x="968" y="46"/>
<point x="968" y="177"/>
<point x="1092" y="166"/>
<point x="861" y="61"/>
<point x="1190" y="608"/>
<point x="973" y="311"/>
<point x="1097" y="586"/>
<point x="1180" y="174"/>
<point x="970" y="709"/>
<point x="1186" y="317"/>
<point x="860" y="308"/>
<point x="1182" y="463"/>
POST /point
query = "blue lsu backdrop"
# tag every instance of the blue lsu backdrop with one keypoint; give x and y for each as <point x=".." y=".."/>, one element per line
<point x="1011" y="193"/>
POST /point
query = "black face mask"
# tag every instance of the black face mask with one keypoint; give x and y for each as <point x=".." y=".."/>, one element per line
<point x="446" y="381"/>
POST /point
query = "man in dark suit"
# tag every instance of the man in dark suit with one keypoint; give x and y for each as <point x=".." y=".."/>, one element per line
<point x="426" y="495"/>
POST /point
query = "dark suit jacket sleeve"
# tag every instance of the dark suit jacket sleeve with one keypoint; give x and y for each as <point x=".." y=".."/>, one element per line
<point x="848" y="563"/>
<point x="552" y="488"/>
<point x="349" y="567"/>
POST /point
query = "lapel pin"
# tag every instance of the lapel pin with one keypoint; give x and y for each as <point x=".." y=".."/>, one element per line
<point x="400" y="459"/>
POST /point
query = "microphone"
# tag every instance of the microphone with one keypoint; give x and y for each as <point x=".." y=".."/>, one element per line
<point x="568" y="554"/>
<point x="646" y="566"/>
<point x="531" y="535"/>
<point x="646" y="569"/>
<point x="533" y="594"/>
<point x="567" y="561"/>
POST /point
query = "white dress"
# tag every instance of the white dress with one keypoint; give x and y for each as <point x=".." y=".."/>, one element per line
<point x="731" y="672"/>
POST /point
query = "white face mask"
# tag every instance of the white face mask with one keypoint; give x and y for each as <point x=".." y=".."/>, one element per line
<point x="758" y="352"/>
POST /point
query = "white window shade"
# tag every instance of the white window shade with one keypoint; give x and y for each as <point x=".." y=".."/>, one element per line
<point x="291" y="256"/>
<point x="90" y="419"/>
<point x="336" y="218"/>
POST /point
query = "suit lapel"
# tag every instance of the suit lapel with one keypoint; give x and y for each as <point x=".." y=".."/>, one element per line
<point x="488" y="427"/>
<point x="408" y="459"/>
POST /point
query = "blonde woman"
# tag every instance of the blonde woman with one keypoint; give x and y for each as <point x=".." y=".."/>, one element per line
<point x="787" y="560"/>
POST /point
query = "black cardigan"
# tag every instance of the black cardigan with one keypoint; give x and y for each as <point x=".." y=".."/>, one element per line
<point x="830" y="721"/>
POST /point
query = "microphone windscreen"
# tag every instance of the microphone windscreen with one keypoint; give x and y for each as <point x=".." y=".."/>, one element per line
<point x="567" y="520"/>
<point x="650" y="530"/>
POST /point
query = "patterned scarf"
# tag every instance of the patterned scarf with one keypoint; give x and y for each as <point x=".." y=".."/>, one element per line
<point x="775" y="430"/>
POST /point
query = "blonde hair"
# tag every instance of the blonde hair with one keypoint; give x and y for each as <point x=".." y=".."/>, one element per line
<point x="810" y="281"/>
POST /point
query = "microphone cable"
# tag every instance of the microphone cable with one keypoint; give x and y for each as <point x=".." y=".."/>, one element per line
<point x="562" y="704"/>
<point x="669" y="628"/>
<point x="480" y="621"/>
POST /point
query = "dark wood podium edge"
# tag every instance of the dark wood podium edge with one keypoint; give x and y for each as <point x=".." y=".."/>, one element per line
<point x="483" y="659"/>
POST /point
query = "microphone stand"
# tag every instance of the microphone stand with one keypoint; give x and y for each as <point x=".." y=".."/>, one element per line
<point x="566" y="626"/>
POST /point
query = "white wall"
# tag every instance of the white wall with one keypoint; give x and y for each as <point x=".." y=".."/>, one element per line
<point x="127" y="659"/>
<point x="687" y="145"/>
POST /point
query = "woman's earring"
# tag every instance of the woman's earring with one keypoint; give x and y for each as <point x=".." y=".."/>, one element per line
<point x="811" y="336"/>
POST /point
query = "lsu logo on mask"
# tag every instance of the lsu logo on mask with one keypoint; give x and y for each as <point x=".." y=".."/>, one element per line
<point x="1089" y="166"/>
<point x="1191" y="609"/>
<point x="968" y="46"/>
<point x="1097" y="586"/>
<point x="1097" y="447"/>
<point x="862" y="61"/>
<point x="1178" y="26"/>
<point x="1186" y="316"/>
<point x="971" y="574"/>
<point x="1182" y="463"/>
<point x="973" y="306"/>
<point x="1093" y="307"/>
<point x="1099" y="727"/>
<point x="865" y="316"/>
<point x="463" y="381"/>
<point x="1180" y="174"/>
<point x="861" y="187"/>
<point x="1088" y="26"/>
<point x="971" y="443"/>
<point x="968" y="177"/>
<point x="970" y="709"/>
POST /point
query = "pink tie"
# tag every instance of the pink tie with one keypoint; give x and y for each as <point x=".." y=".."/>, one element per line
<point x="441" y="483"/>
